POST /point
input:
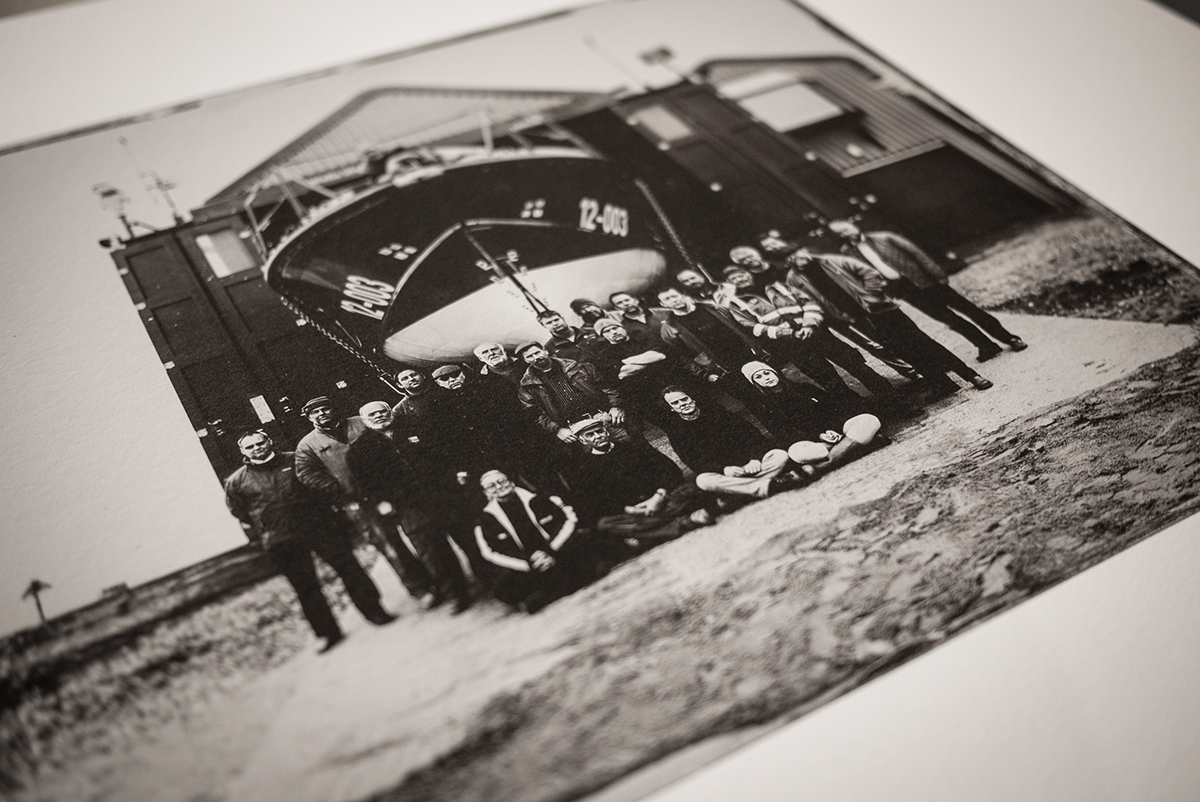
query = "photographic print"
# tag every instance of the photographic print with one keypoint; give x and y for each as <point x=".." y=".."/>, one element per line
<point x="555" y="402"/>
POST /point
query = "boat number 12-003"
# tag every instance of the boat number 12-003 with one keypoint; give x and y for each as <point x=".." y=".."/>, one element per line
<point x="611" y="219"/>
<point x="366" y="296"/>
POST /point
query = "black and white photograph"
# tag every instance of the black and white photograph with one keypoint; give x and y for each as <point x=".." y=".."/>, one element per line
<point x="546" y="412"/>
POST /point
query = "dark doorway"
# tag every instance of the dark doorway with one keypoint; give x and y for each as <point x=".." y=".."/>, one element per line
<point x="943" y="198"/>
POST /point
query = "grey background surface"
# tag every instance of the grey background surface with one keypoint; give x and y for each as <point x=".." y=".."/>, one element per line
<point x="1084" y="693"/>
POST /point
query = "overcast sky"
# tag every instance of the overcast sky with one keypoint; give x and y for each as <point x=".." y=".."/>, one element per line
<point x="104" y="481"/>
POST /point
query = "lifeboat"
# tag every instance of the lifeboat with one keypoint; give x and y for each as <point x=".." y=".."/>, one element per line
<point x="467" y="248"/>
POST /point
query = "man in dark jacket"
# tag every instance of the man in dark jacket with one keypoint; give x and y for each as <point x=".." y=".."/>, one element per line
<point x="567" y="341"/>
<point x="290" y="523"/>
<point x="419" y="406"/>
<point x="728" y="455"/>
<point x="530" y="542"/>
<point x="486" y="428"/>
<point x="561" y="391"/>
<point x="394" y="474"/>
<point x="638" y="366"/>
<point x="865" y="288"/>
<point x="712" y="343"/>
<point x="636" y="318"/>
<point x="707" y="437"/>
<point x="915" y="277"/>
<point x="695" y="284"/>
<point x="497" y="362"/>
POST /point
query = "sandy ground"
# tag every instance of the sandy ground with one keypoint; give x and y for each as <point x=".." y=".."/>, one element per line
<point x="699" y="643"/>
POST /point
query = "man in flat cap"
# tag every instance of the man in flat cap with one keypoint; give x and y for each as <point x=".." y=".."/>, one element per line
<point x="321" y="454"/>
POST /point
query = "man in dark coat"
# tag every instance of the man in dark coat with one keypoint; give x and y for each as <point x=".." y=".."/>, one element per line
<point x="567" y="341"/>
<point x="287" y="520"/>
<point x="695" y="284"/>
<point x="630" y="492"/>
<point x="713" y="345"/>
<point x="560" y="391"/>
<point x="708" y="437"/>
<point x="419" y="408"/>
<point x="497" y="362"/>
<point x="394" y="474"/>
<point x="728" y="455"/>
<point x="638" y="366"/>
<point x="530" y="542"/>
<point x="636" y="318"/>
<point x="865" y="288"/>
<point x="486" y="428"/>
<point x="913" y="276"/>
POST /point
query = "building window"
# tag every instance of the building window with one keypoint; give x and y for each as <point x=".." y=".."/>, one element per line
<point x="786" y="108"/>
<point x="226" y="252"/>
<point x="665" y="126"/>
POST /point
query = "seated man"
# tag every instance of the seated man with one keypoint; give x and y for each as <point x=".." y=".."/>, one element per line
<point x="728" y="454"/>
<point x="823" y="439"/>
<point x="630" y="491"/>
<point x="527" y="540"/>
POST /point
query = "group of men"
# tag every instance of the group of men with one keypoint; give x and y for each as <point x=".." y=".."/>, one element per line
<point x="531" y="472"/>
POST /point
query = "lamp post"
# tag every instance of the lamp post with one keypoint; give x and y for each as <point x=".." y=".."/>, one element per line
<point x="35" y="590"/>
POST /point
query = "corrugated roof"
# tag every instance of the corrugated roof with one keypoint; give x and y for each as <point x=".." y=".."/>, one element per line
<point x="391" y="118"/>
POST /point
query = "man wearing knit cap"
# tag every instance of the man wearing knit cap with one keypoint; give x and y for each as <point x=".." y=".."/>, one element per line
<point x="588" y="311"/>
<point x="637" y="365"/>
